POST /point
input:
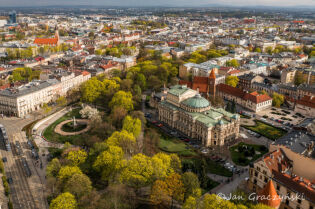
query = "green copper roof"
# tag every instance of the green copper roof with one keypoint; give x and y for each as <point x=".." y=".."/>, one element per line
<point x="179" y="90"/>
<point x="196" y="102"/>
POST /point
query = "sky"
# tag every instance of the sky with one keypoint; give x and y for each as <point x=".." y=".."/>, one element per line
<point x="158" y="2"/>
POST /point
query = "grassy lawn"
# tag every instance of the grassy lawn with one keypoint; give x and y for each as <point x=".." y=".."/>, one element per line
<point x="243" y="154"/>
<point x="196" y="165"/>
<point x="266" y="130"/>
<point x="172" y="145"/>
<point x="50" y="134"/>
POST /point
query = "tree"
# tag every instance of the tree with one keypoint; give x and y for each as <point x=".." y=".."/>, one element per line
<point x="213" y="201"/>
<point x="89" y="112"/>
<point x="53" y="168"/>
<point x="64" y="201"/>
<point x="78" y="185"/>
<point x="231" y="80"/>
<point x="191" y="183"/>
<point x="161" y="164"/>
<point x="190" y="203"/>
<point x="109" y="162"/>
<point x="117" y="115"/>
<point x="176" y="187"/>
<point x="123" y="139"/>
<point x="141" y="81"/>
<point x="159" y="192"/>
<point x="132" y="125"/>
<point x="257" y="49"/>
<point x="122" y="99"/>
<point x="66" y="172"/>
<point x="277" y="99"/>
<point x="91" y="35"/>
<point x="61" y="101"/>
<point x="232" y="63"/>
<point x="138" y="172"/>
<point x="299" y="79"/>
<point x="176" y="163"/>
<point x="91" y="90"/>
<point x="268" y="50"/>
<point x="77" y="157"/>
<point x="46" y="108"/>
<point x="312" y="54"/>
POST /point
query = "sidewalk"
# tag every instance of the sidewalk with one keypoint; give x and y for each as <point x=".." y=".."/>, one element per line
<point x="39" y="128"/>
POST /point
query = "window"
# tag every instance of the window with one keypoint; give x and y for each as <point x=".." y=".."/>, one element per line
<point x="278" y="187"/>
<point x="299" y="201"/>
<point x="256" y="173"/>
<point x="266" y="180"/>
<point x="287" y="201"/>
<point x="311" y="207"/>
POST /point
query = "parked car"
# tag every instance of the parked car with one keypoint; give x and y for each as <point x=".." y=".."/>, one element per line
<point x="4" y="159"/>
<point x="154" y="121"/>
<point x="186" y="140"/>
<point x="10" y="180"/>
<point x="160" y="125"/>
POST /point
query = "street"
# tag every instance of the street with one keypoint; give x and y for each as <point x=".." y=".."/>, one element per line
<point x="25" y="192"/>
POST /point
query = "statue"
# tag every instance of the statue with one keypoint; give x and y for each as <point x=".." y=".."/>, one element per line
<point x="74" y="122"/>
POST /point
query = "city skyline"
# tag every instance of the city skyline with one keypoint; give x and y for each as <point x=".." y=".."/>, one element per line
<point x="173" y="3"/>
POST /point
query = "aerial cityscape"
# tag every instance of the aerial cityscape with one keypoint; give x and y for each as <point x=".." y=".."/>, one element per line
<point x="157" y="104"/>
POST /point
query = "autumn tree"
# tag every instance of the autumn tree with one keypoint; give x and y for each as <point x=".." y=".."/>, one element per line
<point x="78" y="185"/>
<point x="53" y="168"/>
<point x="160" y="193"/>
<point x="109" y="162"/>
<point x="77" y="157"/>
<point x="138" y="171"/>
<point x="132" y="125"/>
<point x="64" y="201"/>
<point x="61" y="101"/>
<point x="190" y="203"/>
<point x="191" y="184"/>
<point x="161" y="164"/>
<point x="66" y="172"/>
<point x="123" y="139"/>
<point x="122" y="99"/>
<point x="231" y="81"/>
<point x="232" y="63"/>
<point x="277" y="99"/>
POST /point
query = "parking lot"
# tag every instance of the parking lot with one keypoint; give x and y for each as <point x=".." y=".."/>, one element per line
<point x="281" y="116"/>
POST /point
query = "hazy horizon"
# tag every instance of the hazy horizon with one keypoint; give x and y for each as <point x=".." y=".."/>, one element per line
<point x="137" y="3"/>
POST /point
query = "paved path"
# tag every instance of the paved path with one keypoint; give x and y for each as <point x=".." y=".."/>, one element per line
<point x="58" y="128"/>
<point x="39" y="128"/>
<point x="228" y="188"/>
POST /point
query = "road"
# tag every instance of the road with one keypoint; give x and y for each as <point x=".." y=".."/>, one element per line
<point x="25" y="192"/>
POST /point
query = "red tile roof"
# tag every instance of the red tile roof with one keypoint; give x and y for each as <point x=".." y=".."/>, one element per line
<point x="233" y="72"/>
<point x="277" y="161"/>
<point x="308" y="101"/>
<point x="84" y="73"/>
<point x="268" y="196"/>
<point x="297" y="184"/>
<point x="46" y="41"/>
<point x="253" y="97"/>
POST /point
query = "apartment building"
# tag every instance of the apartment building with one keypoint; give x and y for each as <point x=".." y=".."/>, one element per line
<point x="295" y="191"/>
<point x="252" y="101"/>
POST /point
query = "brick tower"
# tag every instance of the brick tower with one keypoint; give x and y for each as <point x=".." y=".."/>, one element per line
<point x="211" y="83"/>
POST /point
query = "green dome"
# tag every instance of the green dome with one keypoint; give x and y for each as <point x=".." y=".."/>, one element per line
<point x="196" y="102"/>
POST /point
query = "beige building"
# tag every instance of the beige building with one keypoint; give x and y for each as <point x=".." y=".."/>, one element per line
<point x="287" y="76"/>
<point x="185" y="110"/>
<point x="31" y="97"/>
